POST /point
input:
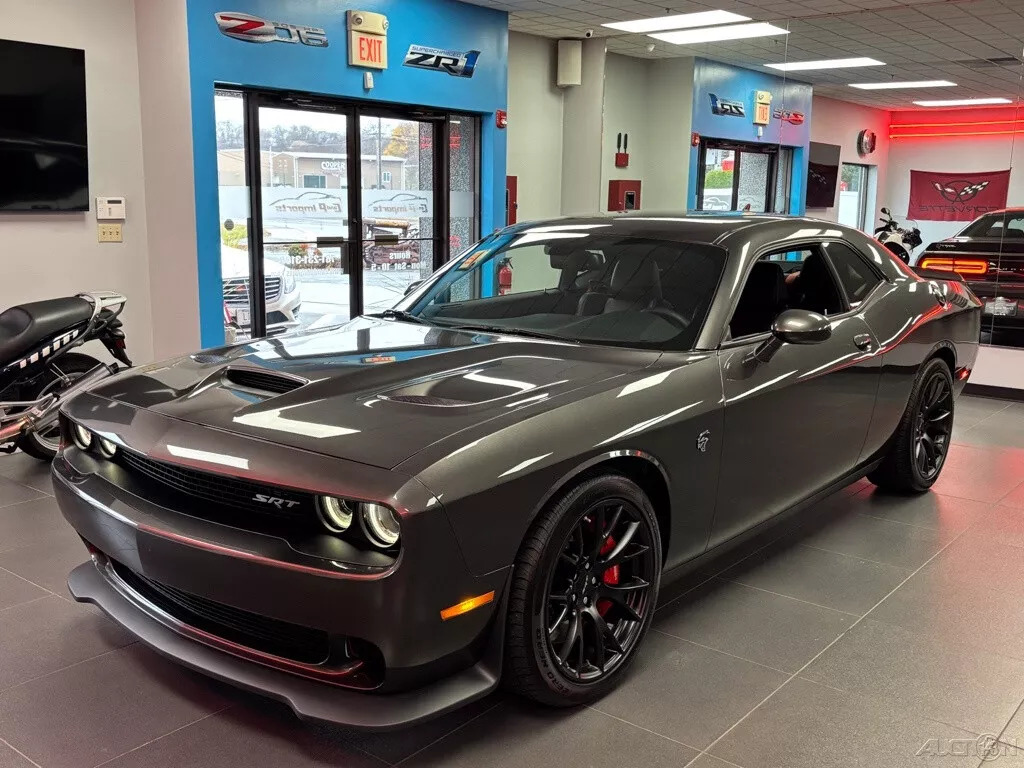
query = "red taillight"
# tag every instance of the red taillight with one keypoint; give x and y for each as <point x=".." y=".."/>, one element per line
<point x="973" y="267"/>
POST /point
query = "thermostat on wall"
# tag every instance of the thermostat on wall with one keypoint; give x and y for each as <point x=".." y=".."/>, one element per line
<point x="108" y="208"/>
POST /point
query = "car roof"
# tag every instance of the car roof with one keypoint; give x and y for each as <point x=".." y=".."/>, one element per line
<point x="695" y="226"/>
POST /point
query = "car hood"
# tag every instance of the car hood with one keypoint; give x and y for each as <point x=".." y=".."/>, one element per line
<point x="373" y="391"/>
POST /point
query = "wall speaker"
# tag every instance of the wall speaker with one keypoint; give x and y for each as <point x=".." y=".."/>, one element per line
<point x="570" y="63"/>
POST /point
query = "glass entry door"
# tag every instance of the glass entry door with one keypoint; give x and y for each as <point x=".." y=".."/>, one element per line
<point x="332" y="209"/>
<point x="737" y="177"/>
<point x="399" y="241"/>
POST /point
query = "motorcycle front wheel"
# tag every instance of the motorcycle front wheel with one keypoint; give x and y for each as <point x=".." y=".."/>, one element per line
<point x="61" y="374"/>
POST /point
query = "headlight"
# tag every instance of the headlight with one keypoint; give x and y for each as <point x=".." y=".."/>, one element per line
<point x="335" y="514"/>
<point x="288" y="278"/>
<point x="380" y="525"/>
<point x="107" y="448"/>
<point x="82" y="437"/>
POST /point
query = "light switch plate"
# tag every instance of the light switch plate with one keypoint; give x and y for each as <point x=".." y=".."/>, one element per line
<point x="110" y="233"/>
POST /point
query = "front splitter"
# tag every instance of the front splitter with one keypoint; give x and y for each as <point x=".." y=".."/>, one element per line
<point x="309" y="700"/>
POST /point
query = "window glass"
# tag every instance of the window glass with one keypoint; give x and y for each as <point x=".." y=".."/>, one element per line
<point x="995" y="225"/>
<point x="856" y="276"/>
<point x="577" y="285"/>
<point x="781" y="280"/>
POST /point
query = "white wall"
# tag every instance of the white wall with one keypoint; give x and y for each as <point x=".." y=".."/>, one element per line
<point x="170" y="184"/>
<point x="669" y="123"/>
<point x="626" y="95"/>
<point x="50" y="255"/>
<point x="840" y="122"/>
<point x="535" y="125"/>
<point x="582" y="131"/>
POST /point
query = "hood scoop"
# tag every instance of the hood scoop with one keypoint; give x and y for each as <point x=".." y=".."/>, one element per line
<point x="261" y="381"/>
<point x="486" y="382"/>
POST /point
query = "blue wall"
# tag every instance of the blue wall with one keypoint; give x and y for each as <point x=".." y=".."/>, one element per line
<point x="215" y="58"/>
<point x="739" y="84"/>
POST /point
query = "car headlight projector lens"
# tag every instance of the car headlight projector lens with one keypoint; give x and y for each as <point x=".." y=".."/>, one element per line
<point x="335" y="514"/>
<point x="380" y="524"/>
<point x="82" y="437"/>
<point x="107" y="448"/>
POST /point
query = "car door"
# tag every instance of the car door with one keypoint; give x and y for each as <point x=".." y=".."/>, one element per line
<point x="796" y="422"/>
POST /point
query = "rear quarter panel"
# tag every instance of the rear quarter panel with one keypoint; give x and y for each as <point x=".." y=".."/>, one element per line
<point x="913" y="321"/>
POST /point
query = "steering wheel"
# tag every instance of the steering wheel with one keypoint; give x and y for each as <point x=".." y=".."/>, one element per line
<point x="671" y="315"/>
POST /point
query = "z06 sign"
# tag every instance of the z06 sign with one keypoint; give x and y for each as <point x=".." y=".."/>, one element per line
<point x="455" y="63"/>
<point x="253" y="29"/>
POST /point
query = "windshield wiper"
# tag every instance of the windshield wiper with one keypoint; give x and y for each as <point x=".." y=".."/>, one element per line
<point x="514" y="332"/>
<point x="399" y="314"/>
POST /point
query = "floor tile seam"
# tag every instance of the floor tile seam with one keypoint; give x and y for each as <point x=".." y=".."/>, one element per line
<point x="720" y="651"/>
<point x="165" y="735"/>
<point x="444" y="736"/>
<point x="827" y="647"/>
<point x="788" y="597"/>
<point x="29" y="581"/>
<point x="51" y="673"/>
<point x="19" y="752"/>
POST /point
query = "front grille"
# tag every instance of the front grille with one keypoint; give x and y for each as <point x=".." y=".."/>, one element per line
<point x="262" y="633"/>
<point x="229" y="499"/>
<point x="236" y="290"/>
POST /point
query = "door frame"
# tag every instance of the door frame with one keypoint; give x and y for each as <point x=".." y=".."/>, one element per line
<point x="352" y="246"/>
<point x="736" y="147"/>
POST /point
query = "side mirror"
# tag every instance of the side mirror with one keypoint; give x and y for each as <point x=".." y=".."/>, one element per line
<point x="885" y="211"/>
<point x="794" y="326"/>
<point x="413" y="286"/>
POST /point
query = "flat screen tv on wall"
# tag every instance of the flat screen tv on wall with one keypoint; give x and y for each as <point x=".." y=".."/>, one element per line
<point x="44" y="157"/>
<point x="822" y="174"/>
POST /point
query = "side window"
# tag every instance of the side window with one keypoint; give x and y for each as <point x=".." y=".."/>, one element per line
<point x="855" y="274"/>
<point x="781" y="280"/>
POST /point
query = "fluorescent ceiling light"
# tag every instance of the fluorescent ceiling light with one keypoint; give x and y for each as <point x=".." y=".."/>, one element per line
<point x="960" y="102"/>
<point x="902" y="84"/>
<point x="797" y="66"/>
<point x="728" y="32"/>
<point x="679" y="21"/>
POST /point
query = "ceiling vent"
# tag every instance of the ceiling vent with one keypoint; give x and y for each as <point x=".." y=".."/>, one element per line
<point x="998" y="61"/>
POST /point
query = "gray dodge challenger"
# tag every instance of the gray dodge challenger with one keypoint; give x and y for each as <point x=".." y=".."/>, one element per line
<point x="382" y="521"/>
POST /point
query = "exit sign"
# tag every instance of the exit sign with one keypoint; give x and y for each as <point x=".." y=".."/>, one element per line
<point x="367" y="50"/>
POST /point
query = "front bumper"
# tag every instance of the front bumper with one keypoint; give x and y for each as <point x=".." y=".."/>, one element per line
<point x="394" y="610"/>
<point x="308" y="699"/>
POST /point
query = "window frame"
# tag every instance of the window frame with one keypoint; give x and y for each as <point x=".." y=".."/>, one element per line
<point x="795" y="245"/>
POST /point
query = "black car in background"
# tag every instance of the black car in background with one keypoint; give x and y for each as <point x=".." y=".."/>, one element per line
<point x="989" y="255"/>
<point x="381" y="521"/>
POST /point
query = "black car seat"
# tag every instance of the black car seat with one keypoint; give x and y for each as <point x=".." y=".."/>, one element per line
<point x="635" y="285"/>
<point x="763" y="298"/>
<point x="815" y="288"/>
<point x="29" y="325"/>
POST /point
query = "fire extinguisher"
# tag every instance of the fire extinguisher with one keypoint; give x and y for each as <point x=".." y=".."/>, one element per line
<point x="504" y="277"/>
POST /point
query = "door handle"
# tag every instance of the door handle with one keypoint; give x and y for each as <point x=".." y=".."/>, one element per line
<point x="862" y="341"/>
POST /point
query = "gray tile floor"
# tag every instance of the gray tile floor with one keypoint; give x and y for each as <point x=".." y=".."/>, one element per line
<point x="874" y="631"/>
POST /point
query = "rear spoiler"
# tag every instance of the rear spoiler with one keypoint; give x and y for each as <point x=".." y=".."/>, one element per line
<point x="938" y="274"/>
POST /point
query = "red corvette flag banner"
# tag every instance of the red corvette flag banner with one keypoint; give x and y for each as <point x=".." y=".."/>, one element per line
<point x="956" y="196"/>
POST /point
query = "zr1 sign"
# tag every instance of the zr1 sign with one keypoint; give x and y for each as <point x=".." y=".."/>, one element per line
<point x="455" y="63"/>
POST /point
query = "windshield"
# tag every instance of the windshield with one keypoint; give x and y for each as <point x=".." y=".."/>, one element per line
<point x="579" y="283"/>
<point x="996" y="225"/>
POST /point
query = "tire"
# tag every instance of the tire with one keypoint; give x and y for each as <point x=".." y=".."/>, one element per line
<point x="903" y="470"/>
<point x="609" y="604"/>
<point x="72" y="365"/>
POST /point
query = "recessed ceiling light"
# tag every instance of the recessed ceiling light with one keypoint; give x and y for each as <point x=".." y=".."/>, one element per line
<point x="902" y="84"/>
<point x="679" y="21"/>
<point x="728" y="32"/>
<point x="796" y="66"/>
<point x="960" y="102"/>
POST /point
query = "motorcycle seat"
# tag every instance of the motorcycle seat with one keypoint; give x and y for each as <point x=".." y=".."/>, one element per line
<point x="27" y="326"/>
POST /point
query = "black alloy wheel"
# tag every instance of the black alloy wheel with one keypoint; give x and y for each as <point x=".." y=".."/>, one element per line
<point x="583" y="592"/>
<point x="599" y="590"/>
<point x="933" y="425"/>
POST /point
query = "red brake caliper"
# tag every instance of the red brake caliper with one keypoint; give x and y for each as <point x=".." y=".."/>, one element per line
<point x="610" y="577"/>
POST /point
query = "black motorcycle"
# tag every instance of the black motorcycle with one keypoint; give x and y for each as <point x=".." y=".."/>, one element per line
<point x="899" y="240"/>
<point x="39" y="371"/>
